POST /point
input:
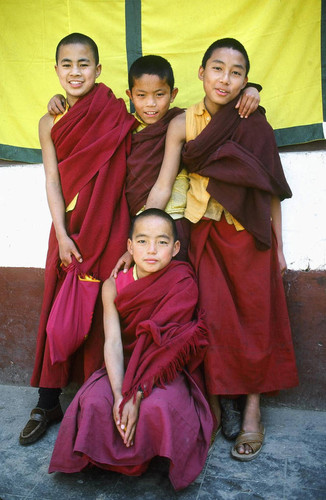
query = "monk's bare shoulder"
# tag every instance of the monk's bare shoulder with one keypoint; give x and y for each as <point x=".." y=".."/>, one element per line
<point x="179" y="120"/>
<point x="177" y="127"/>
<point x="46" y="124"/>
<point x="44" y="130"/>
<point x="109" y="290"/>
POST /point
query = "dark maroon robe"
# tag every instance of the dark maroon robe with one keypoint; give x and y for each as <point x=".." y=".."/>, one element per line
<point x="240" y="286"/>
<point x="145" y="160"/>
<point x="240" y="158"/>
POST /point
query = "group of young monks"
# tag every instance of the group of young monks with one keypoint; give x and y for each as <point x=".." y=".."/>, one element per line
<point x="186" y="340"/>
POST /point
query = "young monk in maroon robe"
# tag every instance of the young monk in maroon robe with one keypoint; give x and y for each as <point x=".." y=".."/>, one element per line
<point x="84" y="155"/>
<point x="147" y="402"/>
<point x="236" y="184"/>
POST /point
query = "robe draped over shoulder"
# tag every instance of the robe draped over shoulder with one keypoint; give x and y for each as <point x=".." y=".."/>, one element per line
<point x="92" y="141"/>
<point x="163" y="345"/>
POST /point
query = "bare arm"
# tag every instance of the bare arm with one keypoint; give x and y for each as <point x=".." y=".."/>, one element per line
<point x="113" y="357"/>
<point x="67" y="247"/>
<point x="276" y="212"/>
<point x="175" y="139"/>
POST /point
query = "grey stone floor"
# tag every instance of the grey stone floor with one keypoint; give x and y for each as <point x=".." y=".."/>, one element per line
<point x="291" y="466"/>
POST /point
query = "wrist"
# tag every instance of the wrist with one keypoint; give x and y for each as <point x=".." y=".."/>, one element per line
<point x="117" y="394"/>
<point x="61" y="234"/>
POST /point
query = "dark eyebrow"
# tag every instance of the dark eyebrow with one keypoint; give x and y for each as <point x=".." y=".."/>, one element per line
<point x="143" y="235"/>
<point x="145" y="91"/>
<point x="234" y="65"/>
<point x="166" y="236"/>
<point x="83" y="59"/>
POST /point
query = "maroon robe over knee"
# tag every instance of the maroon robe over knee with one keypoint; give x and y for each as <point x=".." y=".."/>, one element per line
<point x="92" y="141"/>
<point x="160" y="339"/>
<point x="238" y="272"/>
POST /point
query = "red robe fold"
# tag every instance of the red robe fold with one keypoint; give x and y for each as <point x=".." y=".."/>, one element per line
<point x="160" y="333"/>
<point x="92" y="141"/>
<point x="250" y="344"/>
<point x="160" y="336"/>
<point x="240" y="158"/>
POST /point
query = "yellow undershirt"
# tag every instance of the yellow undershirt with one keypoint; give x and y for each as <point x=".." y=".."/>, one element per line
<point x="199" y="202"/>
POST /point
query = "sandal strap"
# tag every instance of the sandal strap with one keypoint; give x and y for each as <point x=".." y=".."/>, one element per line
<point x="253" y="439"/>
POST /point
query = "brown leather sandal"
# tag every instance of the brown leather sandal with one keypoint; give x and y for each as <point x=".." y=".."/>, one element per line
<point x="253" y="439"/>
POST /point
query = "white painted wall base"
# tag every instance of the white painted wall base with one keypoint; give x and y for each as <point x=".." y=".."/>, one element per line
<point x="25" y="218"/>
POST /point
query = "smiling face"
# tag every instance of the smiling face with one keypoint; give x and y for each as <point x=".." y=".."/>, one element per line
<point x="223" y="77"/>
<point x="76" y="70"/>
<point x="151" y="97"/>
<point x="152" y="245"/>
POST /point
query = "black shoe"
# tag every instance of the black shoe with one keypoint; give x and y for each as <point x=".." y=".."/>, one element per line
<point x="38" y="423"/>
<point x="230" y="418"/>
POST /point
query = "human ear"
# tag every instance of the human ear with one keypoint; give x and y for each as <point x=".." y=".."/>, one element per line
<point x="176" y="248"/>
<point x="98" y="70"/>
<point x="174" y="94"/>
<point x="201" y="72"/>
<point x="129" y="246"/>
<point x="129" y="94"/>
<point x="245" y="82"/>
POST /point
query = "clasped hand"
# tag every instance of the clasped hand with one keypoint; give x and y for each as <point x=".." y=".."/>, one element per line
<point x="126" y="424"/>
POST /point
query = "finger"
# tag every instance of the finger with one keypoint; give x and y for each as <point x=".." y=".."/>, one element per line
<point x="129" y="435"/>
<point x="123" y="424"/>
<point x="116" y="416"/>
<point x="58" y="109"/>
<point x="238" y="103"/>
<point x="251" y="108"/>
<point x="62" y="106"/>
<point x="245" y="108"/>
<point x="242" y="105"/>
<point x="114" y="273"/>
<point x="77" y="255"/>
<point x="121" y="432"/>
<point x="65" y="258"/>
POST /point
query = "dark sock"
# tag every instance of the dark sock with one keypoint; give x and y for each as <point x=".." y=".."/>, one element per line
<point x="48" y="398"/>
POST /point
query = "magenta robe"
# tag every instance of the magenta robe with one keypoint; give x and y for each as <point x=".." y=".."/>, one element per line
<point x="174" y="419"/>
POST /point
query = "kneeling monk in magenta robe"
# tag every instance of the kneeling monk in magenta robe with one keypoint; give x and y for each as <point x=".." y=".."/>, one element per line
<point x="148" y="401"/>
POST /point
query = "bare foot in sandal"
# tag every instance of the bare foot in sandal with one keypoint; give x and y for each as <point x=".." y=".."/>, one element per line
<point x="250" y="439"/>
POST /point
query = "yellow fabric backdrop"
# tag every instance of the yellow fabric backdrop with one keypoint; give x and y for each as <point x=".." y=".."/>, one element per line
<point x="282" y="38"/>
